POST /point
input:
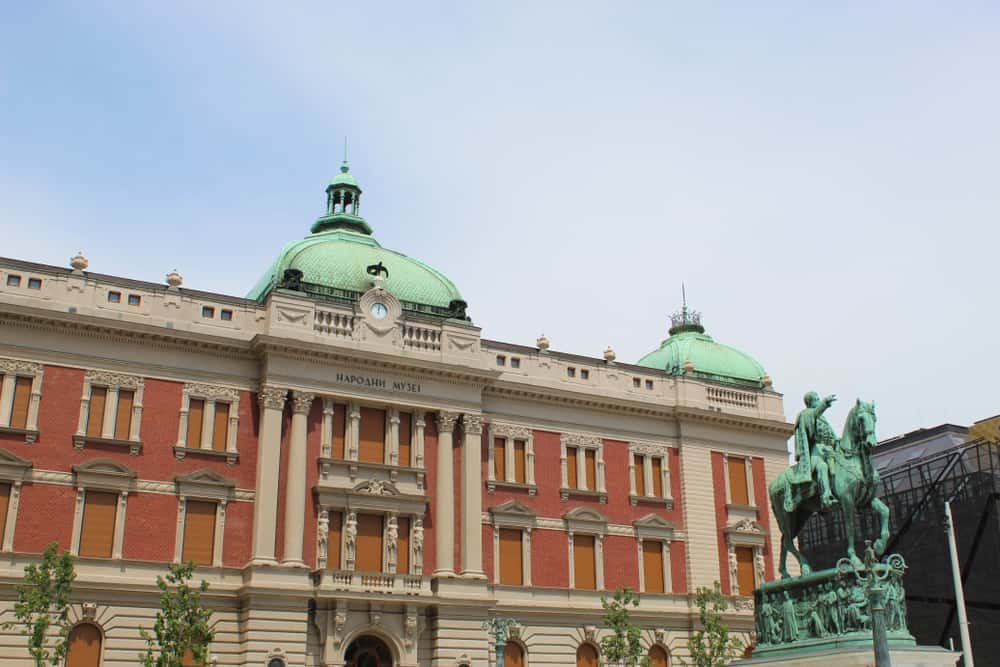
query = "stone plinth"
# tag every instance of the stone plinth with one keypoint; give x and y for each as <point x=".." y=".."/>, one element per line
<point x="902" y="656"/>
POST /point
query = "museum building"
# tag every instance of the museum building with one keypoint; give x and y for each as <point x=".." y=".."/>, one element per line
<point x="362" y="478"/>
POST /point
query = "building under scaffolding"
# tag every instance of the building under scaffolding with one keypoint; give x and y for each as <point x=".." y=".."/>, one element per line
<point x="919" y="472"/>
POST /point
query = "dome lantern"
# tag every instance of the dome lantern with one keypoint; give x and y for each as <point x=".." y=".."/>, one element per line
<point x="343" y="200"/>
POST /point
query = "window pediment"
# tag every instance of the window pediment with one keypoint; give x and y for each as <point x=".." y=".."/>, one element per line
<point x="104" y="474"/>
<point x="205" y="483"/>
<point x="13" y="467"/>
<point x="746" y="532"/>
<point x="653" y="526"/>
<point x="513" y="513"/>
<point x="585" y="520"/>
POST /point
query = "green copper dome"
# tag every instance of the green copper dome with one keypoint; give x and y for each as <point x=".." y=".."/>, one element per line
<point x="334" y="262"/>
<point x="690" y="351"/>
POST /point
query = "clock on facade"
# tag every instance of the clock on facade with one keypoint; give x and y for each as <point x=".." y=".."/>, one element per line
<point x="378" y="311"/>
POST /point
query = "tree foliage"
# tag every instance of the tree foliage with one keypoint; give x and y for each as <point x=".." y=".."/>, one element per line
<point x="43" y="602"/>
<point x="182" y="624"/>
<point x="623" y="646"/>
<point x="711" y="646"/>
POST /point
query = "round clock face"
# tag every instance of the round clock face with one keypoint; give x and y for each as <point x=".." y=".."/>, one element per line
<point x="379" y="311"/>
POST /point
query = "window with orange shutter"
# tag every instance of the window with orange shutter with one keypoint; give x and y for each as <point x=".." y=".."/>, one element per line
<point x="123" y="414"/>
<point x="519" y="461"/>
<point x="652" y="566"/>
<point x="744" y="570"/>
<point x="199" y="532"/>
<point x="640" y="477"/>
<point x="333" y="540"/>
<point x="220" y="429"/>
<point x="339" y="429"/>
<point x="571" y="477"/>
<point x="405" y="438"/>
<point x="97" y="533"/>
<point x="511" y="557"/>
<point x="95" y="411"/>
<point x="196" y="415"/>
<point x="369" y="543"/>
<point x="371" y="438"/>
<point x="500" y="458"/>
<point x="403" y="546"/>
<point x="590" y="458"/>
<point x="584" y="562"/>
<point x="657" y="477"/>
<point x="4" y="508"/>
<point x="738" y="494"/>
<point x="22" y="396"/>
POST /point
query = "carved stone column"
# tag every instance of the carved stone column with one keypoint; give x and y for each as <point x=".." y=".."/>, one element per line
<point x="444" y="495"/>
<point x="265" y="512"/>
<point x="472" y="497"/>
<point x="295" y="488"/>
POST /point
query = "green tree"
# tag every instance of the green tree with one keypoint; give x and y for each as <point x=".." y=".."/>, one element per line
<point x="623" y="646"/>
<point x="43" y="601"/>
<point x="182" y="624"/>
<point x="711" y="646"/>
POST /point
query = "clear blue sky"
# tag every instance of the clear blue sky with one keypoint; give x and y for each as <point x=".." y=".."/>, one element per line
<point x="823" y="176"/>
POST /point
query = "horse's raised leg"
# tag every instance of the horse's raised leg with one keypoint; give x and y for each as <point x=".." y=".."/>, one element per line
<point x="883" y="514"/>
<point x="847" y="503"/>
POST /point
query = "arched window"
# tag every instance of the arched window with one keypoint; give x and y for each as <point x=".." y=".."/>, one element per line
<point x="586" y="656"/>
<point x="658" y="657"/>
<point x="513" y="655"/>
<point x="84" y="646"/>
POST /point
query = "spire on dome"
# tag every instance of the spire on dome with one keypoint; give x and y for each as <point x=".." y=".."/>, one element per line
<point x="343" y="199"/>
<point x="684" y="319"/>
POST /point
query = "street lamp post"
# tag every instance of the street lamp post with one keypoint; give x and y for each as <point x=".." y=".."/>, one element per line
<point x="873" y="576"/>
<point x="497" y="628"/>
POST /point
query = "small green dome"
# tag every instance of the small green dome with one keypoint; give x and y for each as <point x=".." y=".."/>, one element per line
<point x="708" y="359"/>
<point x="344" y="177"/>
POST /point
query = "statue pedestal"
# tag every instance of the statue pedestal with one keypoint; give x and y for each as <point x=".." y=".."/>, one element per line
<point x="903" y="656"/>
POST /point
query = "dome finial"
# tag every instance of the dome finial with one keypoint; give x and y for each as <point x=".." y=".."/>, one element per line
<point x="684" y="319"/>
<point x="344" y="167"/>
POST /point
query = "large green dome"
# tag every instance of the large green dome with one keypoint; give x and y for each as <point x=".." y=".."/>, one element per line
<point x="690" y="351"/>
<point x="334" y="261"/>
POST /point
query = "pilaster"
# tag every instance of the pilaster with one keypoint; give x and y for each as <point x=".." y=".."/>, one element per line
<point x="272" y="402"/>
<point x="444" y="492"/>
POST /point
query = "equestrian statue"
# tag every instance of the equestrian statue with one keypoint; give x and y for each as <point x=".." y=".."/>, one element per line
<point x="829" y="474"/>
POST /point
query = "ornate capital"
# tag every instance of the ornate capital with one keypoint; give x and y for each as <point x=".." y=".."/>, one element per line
<point x="446" y="421"/>
<point x="302" y="401"/>
<point x="472" y="424"/>
<point x="272" y="398"/>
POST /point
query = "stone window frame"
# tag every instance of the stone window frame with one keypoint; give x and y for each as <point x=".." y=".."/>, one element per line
<point x="586" y="521"/>
<point x="510" y="432"/>
<point x="649" y="451"/>
<point x="654" y="528"/>
<point x="11" y="369"/>
<point x="13" y="470"/>
<point x="748" y="467"/>
<point x="582" y="442"/>
<point x="211" y="395"/>
<point x="746" y="533"/>
<point x="513" y="514"/>
<point x="108" y="476"/>
<point x="206" y="485"/>
<point x="113" y="382"/>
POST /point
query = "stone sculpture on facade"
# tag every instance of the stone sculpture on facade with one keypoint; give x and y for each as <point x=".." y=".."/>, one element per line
<point x="417" y="545"/>
<point x="350" y="539"/>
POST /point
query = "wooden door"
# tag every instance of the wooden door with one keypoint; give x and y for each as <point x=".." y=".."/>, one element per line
<point x="513" y="656"/>
<point x="586" y="656"/>
<point x="84" y="646"/>
<point x="657" y="657"/>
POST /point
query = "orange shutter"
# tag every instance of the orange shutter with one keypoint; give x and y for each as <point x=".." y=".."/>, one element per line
<point x="738" y="481"/>
<point x="584" y="563"/>
<point x="95" y="413"/>
<point x="500" y="458"/>
<point x="22" y="396"/>
<point x="333" y="540"/>
<point x="591" y="460"/>
<point x="640" y="477"/>
<point x="84" y="646"/>
<point x="744" y="570"/>
<point x="339" y="427"/>
<point x="657" y="477"/>
<point x="571" y="467"/>
<point x="123" y="417"/>
<point x="657" y="657"/>
<point x="511" y="560"/>
<point x="586" y="656"/>
<point x="369" y="545"/>
<point x="371" y="445"/>
<point x="199" y="532"/>
<point x="220" y="430"/>
<point x="4" y="506"/>
<point x="97" y="535"/>
<point x="187" y="660"/>
<point x="405" y="438"/>
<point x="519" y="461"/>
<point x="196" y="414"/>
<point x="652" y="566"/>
<point x="513" y="656"/>
<point x="403" y="546"/>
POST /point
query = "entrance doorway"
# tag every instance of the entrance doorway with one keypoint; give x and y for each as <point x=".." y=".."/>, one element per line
<point x="368" y="651"/>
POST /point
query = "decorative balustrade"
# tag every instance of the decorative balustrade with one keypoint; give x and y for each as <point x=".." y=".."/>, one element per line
<point x="333" y="323"/>
<point x="421" y="338"/>
<point x="373" y="582"/>
<point x="731" y="397"/>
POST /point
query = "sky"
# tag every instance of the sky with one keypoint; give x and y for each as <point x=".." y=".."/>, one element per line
<point x="823" y="177"/>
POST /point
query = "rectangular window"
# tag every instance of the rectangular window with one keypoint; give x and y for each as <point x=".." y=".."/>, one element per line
<point x="196" y="415"/>
<point x="13" y="281"/>
<point x="744" y="570"/>
<point x="403" y="546"/>
<point x="511" y="557"/>
<point x="649" y="384"/>
<point x="333" y="540"/>
<point x="4" y="507"/>
<point x="97" y="535"/>
<point x="114" y="297"/>
<point x="571" y="467"/>
<point x="519" y="461"/>
<point x="405" y="438"/>
<point x="640" y="477"/>
<point x="369" y="543"/>
<point x="590" y="458"/>
<point x="652" y="566"/>
<point x="207" y="311"/>
<point x="501" y="360"/>
<point x="738" y="494"/>
<point x="637" y="383"/>
<point x="584" y="562"/>
<point x="134" y="299"/>
<point x="34" y="283"/>
<point x="584" y="374"/>
<point x="371" y="440"/>
<point x="499" y="458"/>
<point x="95" y="413"/>
<point x="571" y="372"/>
<point x="123" y="416"/>
<point x="515" y="362"/>
<point x="199" y="532"/>
<point x="220" y="429"/>
<point x="22" y="397"/>
<point x="657" y="477"/>
<point x="339" y="428"/>
<point x="226" y="315"/>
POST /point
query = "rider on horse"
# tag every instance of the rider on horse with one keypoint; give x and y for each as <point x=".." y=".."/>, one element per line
<point x="815" y="441"/>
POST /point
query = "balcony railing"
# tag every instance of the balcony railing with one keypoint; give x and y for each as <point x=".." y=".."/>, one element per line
<point x="372" y="582"/>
